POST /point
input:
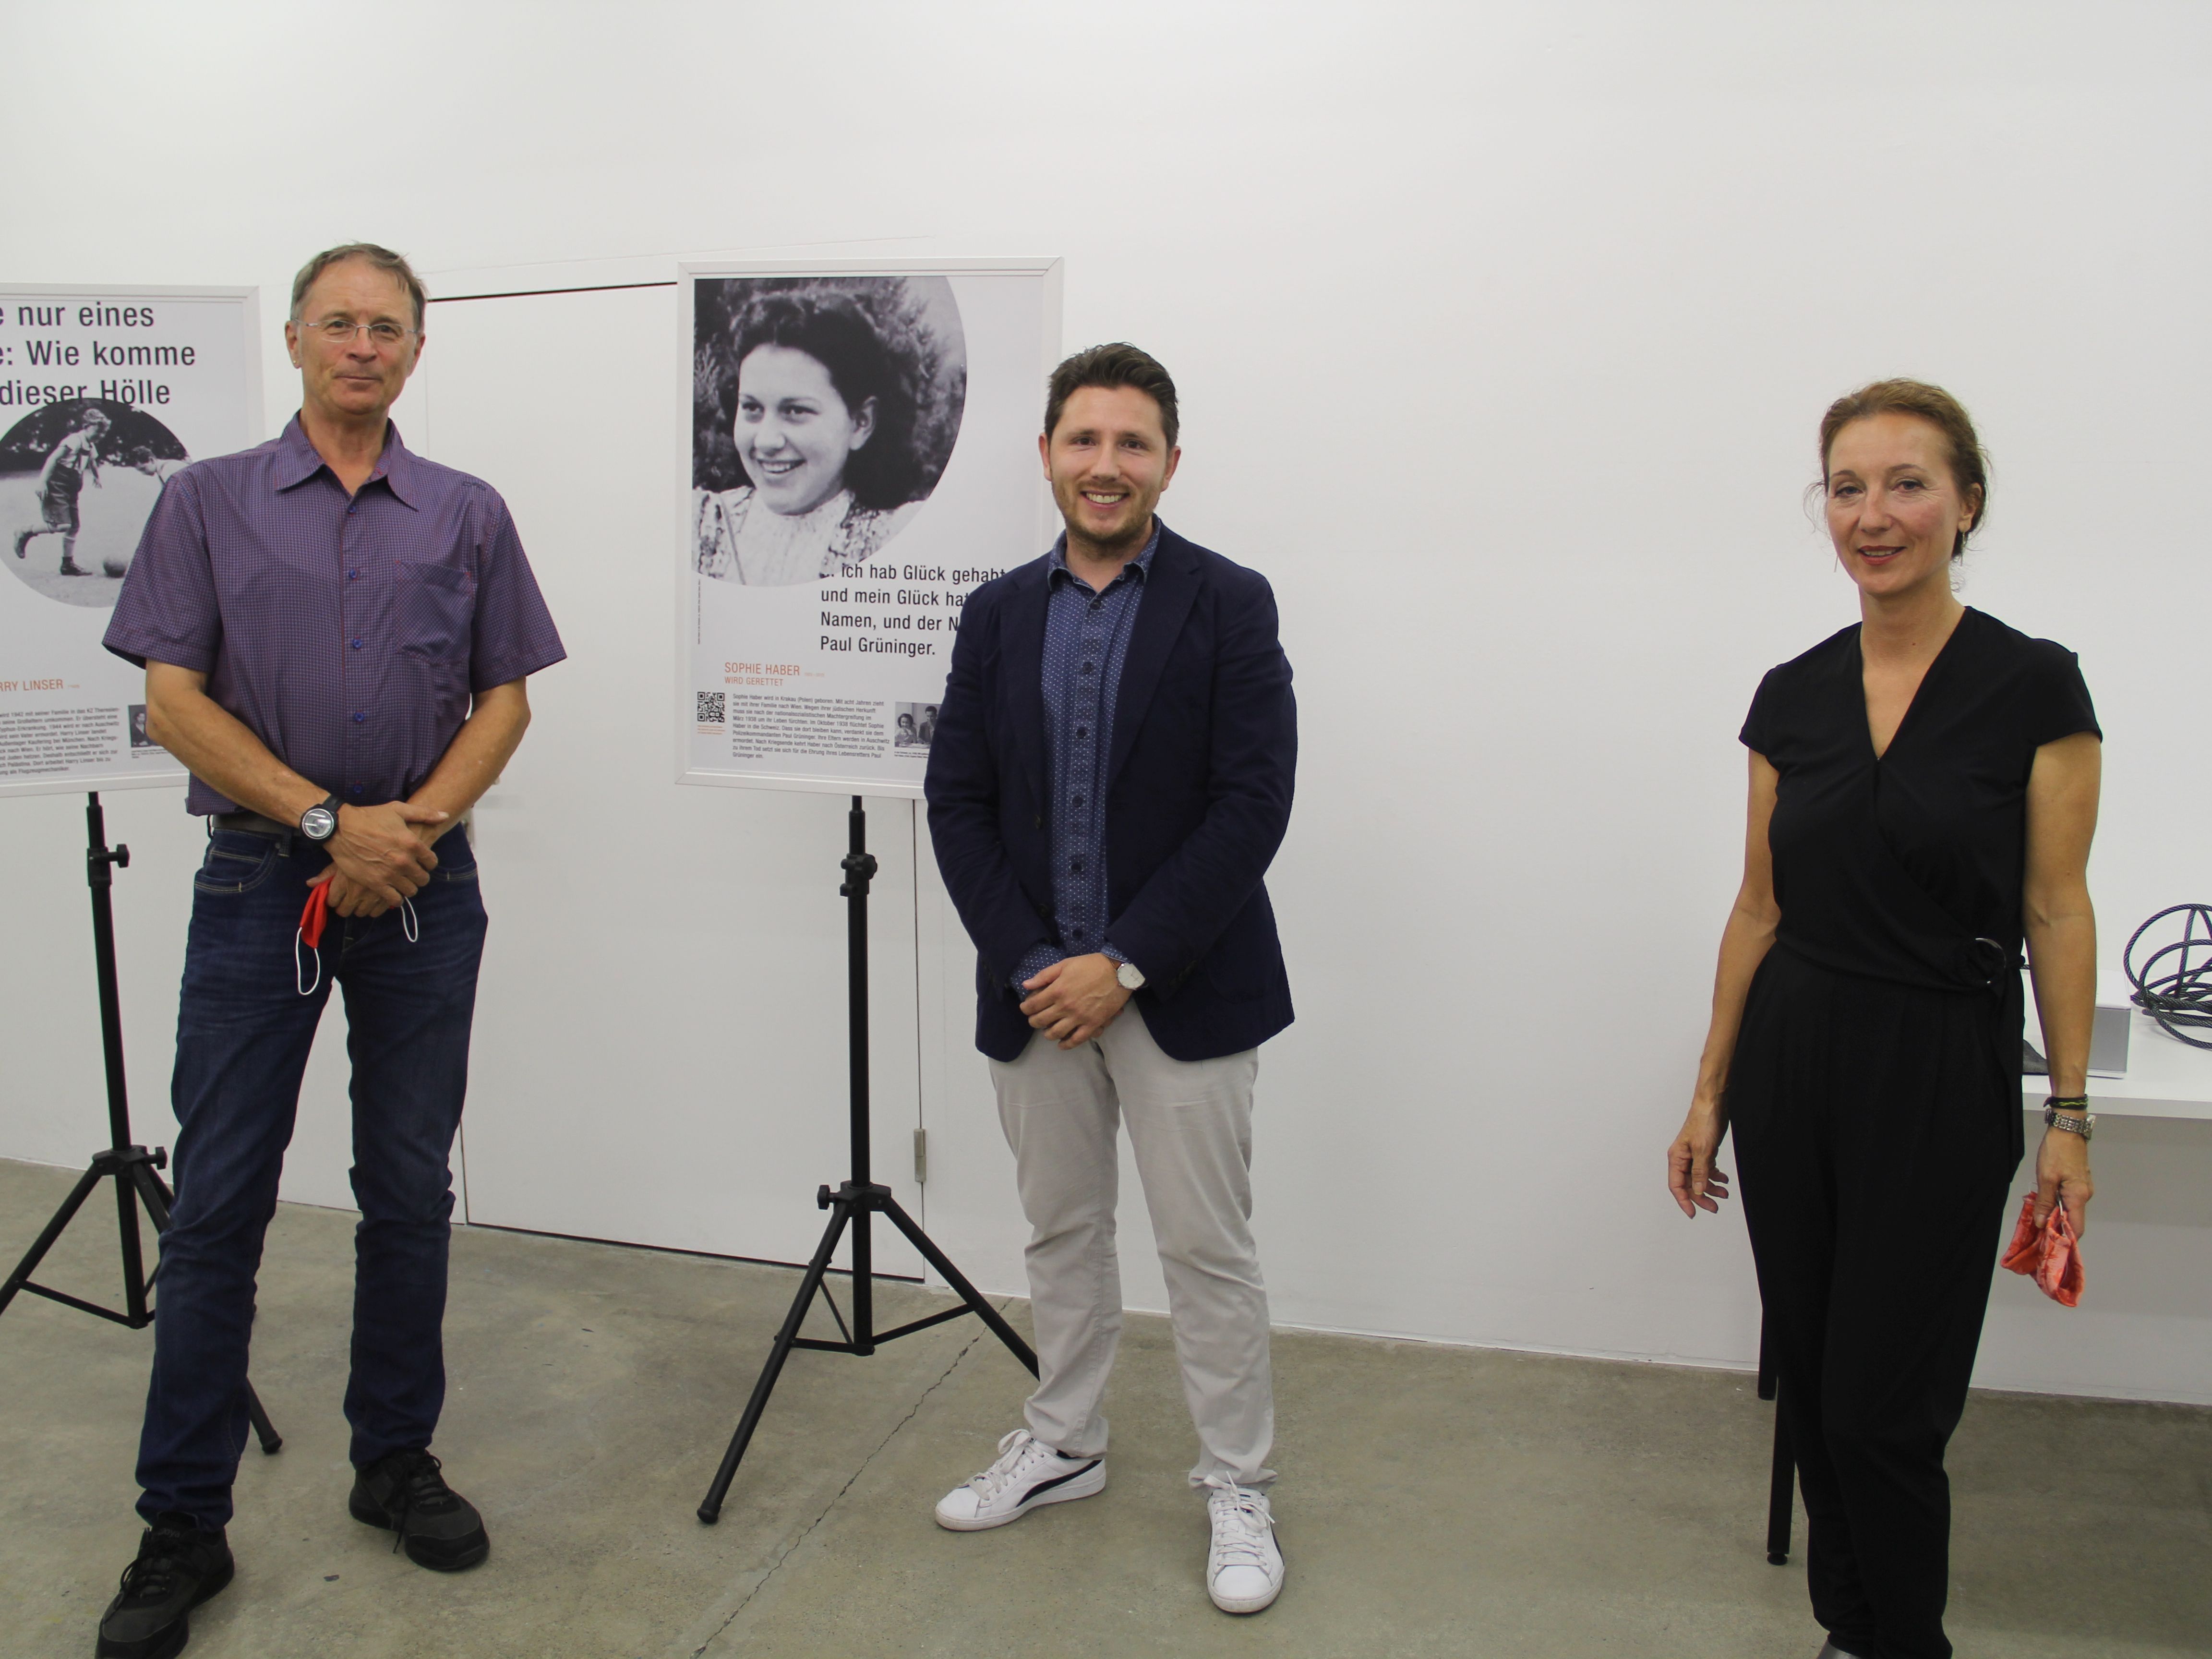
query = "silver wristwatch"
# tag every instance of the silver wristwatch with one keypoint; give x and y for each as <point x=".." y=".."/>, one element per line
<point x="1129" y="976"/>
<point x="2083" y="1126"/>
<point x="320" y="822"/>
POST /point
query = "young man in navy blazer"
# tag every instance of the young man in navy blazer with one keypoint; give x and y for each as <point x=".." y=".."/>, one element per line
<point x="1110" y="776"/>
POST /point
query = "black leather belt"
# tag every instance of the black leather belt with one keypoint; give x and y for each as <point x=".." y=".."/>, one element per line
<point x="253" y="824"/>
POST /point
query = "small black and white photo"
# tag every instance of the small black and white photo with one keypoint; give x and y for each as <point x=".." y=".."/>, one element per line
<point x="78" y="479"/>
<point x="824" y="409"/>
<point x="913" y="724"/>
<point x="139" y="737"/>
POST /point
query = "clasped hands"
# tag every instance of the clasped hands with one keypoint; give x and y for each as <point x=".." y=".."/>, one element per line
<point x="377" y="858"/>
<point x="1075" y="999"/>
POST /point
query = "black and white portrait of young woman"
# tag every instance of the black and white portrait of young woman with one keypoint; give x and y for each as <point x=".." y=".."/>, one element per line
<point x="824" y="409"/>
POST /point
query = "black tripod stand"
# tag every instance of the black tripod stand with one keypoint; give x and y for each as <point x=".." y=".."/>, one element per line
<point x="132" y="1167"/>
<point x="854" y="1205"/>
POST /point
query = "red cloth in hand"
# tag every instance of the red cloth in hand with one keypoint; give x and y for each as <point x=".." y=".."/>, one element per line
<point x="316" y="913"/>
<point x="2050" y="1253"/>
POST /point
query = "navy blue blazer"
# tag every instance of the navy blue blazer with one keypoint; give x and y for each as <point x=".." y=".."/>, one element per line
<point x="1198" y="796"/>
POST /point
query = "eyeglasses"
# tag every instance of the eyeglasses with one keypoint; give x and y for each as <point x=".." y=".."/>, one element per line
<point x="343" y="332"/>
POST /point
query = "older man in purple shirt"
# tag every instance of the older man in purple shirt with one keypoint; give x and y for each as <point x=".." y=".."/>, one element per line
<point x="336" y="634"/>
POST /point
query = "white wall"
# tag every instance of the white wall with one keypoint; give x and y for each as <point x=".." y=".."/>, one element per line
<point x="1502" y="331"/>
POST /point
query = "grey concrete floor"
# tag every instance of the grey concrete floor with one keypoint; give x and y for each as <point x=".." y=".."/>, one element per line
<point x="1435" y="1500"/>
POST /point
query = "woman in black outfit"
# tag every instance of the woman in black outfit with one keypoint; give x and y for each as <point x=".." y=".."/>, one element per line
<point x="1923" y="788"/>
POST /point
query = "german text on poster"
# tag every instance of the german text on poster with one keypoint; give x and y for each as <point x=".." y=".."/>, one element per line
<point x="104" y="393"/>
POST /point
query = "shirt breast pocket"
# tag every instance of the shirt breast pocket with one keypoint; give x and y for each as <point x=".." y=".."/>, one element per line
<point x="434" y="606"/>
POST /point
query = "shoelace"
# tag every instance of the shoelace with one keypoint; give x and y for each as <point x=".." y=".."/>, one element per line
<point x="1240" y="1545"/>
<point x="153" y="1576"/>
<point x="1012" y="1459"/>
<point x="421" y="1490"/>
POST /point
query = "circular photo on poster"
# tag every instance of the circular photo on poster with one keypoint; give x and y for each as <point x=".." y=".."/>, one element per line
<point x="824" y="411"/>
<point x="78" y="479"/>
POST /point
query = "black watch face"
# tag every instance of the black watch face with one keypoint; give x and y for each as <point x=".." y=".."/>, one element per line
<point x="317" y="823"/>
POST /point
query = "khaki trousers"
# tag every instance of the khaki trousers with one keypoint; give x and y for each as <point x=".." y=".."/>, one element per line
<point x="1190" y="1125"/>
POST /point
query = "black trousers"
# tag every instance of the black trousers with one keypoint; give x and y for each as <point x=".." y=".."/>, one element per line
<point x="1875" y="1130"/>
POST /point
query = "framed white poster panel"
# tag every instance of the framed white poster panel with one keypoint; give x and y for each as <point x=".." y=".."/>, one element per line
<point x="104" y="393"/>
<point x="860" y="455"/>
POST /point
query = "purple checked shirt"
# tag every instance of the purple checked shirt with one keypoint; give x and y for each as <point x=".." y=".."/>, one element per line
<point x="348" y="635"/>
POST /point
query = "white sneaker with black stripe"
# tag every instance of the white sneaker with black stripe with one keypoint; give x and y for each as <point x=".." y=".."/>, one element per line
<point x="1244" y="1565"/>
<point x="1028" y="1475"/>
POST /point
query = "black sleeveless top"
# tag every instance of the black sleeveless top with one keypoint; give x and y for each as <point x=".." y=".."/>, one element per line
<point x="1909" y="867"/>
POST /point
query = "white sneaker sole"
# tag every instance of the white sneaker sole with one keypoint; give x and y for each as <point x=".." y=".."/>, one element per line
<point x="1089" y="1484"/>
<point x="1244" y="1604"/>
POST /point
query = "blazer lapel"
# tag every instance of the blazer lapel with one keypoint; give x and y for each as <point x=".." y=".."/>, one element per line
<point x="1022" y="663"/>
<point x="1171" y="589"/>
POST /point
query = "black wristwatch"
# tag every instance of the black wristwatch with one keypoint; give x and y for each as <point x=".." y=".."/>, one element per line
<point x="320" y="822"/>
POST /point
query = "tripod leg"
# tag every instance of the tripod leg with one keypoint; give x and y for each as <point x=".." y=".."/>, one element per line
<point x="153" y="1193"/>
<point x="55" y="1228"/>
<point x="134" y="1259"/>
<point x="710" y="1511"/>
<point x="263" y="1430"/>
<point x="1781" y="1491"/>
<point x="967" y="1292"/>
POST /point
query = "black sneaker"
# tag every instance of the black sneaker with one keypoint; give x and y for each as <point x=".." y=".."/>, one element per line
<point x="404" y="1491"/>
<point x="179" y="1567"/>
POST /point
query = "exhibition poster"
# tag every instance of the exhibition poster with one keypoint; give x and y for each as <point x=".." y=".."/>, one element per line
<point x="104" y="393"/>
<point x="860" y="455"/>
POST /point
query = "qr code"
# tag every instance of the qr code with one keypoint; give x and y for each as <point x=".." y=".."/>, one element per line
<point x="710" y="708"/>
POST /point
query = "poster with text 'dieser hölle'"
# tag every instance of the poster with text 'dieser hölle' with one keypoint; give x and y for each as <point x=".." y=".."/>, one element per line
<point x="105" y="393"/>
<point x="861" y="456"/>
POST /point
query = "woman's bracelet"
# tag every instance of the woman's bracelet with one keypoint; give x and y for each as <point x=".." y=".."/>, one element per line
<point x="2071" y="1113"/>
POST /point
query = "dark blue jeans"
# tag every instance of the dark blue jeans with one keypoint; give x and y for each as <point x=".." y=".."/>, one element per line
<point x="243" y="1033"/>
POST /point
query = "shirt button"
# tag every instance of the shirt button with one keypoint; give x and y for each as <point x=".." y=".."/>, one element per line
<point x="357" y="645"/>
<point x="1076" y="865"/>
<point x="1090" y="667"/>
<point x="354" y="790"/>
<point x="353" y="576"/>
<point x="1078" y="799"/>
<point x="1082" y="731"/>
<point x="349" y="508"/>
<point x="358" y="719"/>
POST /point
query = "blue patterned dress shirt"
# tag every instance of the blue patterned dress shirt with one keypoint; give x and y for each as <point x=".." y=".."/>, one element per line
<point x="1086" y="639"/>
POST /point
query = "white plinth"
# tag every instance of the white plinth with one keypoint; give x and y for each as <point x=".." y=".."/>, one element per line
<point x="2165" y="1077"/>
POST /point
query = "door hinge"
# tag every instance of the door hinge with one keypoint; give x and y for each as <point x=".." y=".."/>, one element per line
<point x="920" y="1157"/>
